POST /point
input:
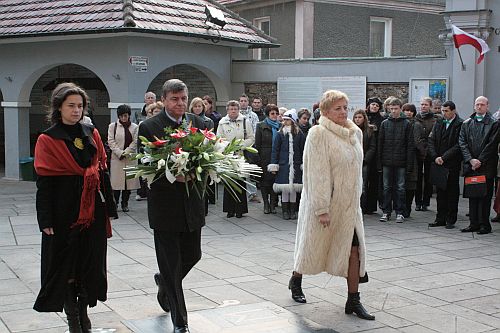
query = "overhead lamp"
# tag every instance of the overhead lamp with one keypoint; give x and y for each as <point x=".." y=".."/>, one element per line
<point x="215" y="17"/>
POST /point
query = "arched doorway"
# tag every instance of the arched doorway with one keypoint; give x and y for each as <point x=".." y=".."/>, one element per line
<point x="197" y="82"/>
<point x="2" y="136"/>
<point x="42" y="89"/>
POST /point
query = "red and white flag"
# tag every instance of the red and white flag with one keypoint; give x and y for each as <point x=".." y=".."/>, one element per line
<point x="460" y="38"/>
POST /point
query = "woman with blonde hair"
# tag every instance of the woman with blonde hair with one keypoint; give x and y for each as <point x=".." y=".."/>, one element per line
<point x="330" y="233"/>
<point x="153" y="109"/>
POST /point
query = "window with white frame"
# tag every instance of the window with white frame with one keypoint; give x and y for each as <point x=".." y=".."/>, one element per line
<point x="380" y="37"/>
<point x="264" y="24"/>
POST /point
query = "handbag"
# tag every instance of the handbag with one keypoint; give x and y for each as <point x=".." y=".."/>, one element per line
<point x="439" y="176"/>
<point x="475" y="186"/>
<point x="107" y="149"/>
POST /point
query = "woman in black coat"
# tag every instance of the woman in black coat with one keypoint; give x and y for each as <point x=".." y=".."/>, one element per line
<point x="69" y="158"/>
<point x="264" y="134"/>
<point x="369" y="150"/>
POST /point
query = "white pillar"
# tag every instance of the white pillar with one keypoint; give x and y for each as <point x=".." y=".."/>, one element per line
<point x="17" y="136"/>
<point x="304" y="26"/>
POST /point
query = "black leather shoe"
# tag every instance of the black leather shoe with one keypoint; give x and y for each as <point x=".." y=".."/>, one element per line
<point x="469" y="229"/>
<point x="424" y="208"/>
<point x="181" y="329"/>
<point x="239" y="215"/>
<point x="229" y="215"/>
<point x="125" y="208"/>
<point x="437" y="224"/>
<point x="162" y="294"/>
<point x="483" y="231"/>
<point x="450" y="226"/>
<point x="418" y="208"/>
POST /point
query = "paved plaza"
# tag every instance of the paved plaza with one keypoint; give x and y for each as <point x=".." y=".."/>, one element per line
<point x="421" y="280"/>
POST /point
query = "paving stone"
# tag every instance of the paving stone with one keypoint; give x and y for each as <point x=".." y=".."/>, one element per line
<point x="458" y="265"/>
<point x="28" y="320"/>
<point x="396" y="273"/>
<point x="219" y="294"/>
<point x="434" y="281"/>
<point x="487" y="273"/>
<point x="460" y="292"/>
<point x="20" y="220"/>
<point x="472" y="315"/>
<point x="488" y="304"/>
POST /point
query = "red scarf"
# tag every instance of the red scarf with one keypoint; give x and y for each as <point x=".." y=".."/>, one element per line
<point x="53" y="158"/>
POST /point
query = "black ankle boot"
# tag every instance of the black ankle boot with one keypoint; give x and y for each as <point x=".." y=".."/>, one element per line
<point x="293" y="210"/>
<point x="83" y="303"/>
<point x="265" y="198"/>
<point x="285" y="208"/>
<point x="273" y="201"/>
<point x="353" y="304"/>
<point x="71" y="310"/>
<point x="295" y="285"/>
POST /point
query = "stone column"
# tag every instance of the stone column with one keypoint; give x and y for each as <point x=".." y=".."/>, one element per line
<point x="304" y="27"/>
<point x="17" y="136"/>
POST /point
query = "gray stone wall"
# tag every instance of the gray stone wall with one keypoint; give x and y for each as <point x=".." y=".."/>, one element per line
<point x="282" y="17"/>
<point x="344" y="31"/>
<point x="42" y="90"/>
<point x="384" y="90"/>
<point x="198" y="83"/>
<point x="268" y="91"/>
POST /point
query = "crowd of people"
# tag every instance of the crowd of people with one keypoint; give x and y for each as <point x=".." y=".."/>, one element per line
<point x="328" y="170"/>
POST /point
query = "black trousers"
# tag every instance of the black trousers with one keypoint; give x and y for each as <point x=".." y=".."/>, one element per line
<point x="447" y="200"/>
<point x="235" y="202"/>
<point x="479" y="208"/>
<point x="423" y="192"/>
<point x="177" y="253"/>
<point x="375" y="190"/>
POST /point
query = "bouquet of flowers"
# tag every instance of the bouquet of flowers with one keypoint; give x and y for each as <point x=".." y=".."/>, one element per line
<point x="197" y="155"/>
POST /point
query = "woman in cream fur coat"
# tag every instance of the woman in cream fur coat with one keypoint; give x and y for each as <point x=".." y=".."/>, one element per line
<point x="330" y="235"/>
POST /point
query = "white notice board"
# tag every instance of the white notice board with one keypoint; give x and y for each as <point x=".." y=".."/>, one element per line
<point x="303" y="92"/>
<point x="436" y="88"/>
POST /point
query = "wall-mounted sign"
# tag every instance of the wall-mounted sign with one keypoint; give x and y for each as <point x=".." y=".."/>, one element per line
<point x="138" y="61"/>
<point x="141" y="69"/>
<point x="436" y="88"/>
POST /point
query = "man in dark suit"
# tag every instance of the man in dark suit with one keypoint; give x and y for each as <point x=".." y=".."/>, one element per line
<point x="445" y="152"/>
<point x="478" y="141"/>
<point x="175" y="216"/>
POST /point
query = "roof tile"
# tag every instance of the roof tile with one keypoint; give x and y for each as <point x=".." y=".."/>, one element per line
<point x="19" y="18"/>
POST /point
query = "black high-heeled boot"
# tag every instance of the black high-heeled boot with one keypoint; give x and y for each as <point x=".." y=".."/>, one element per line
<point x="83" y="303"/>
<point x="265" y="197"/>
<point x="285" y="208"/>
<point x="293" y="210"/>
<point x="71" y="310"/>
<point x="295" y="285"/>
<point x="274" y="201"/>
<point x="353" y="304"/>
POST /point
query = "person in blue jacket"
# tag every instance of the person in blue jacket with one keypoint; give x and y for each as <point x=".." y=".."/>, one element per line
<point x="286" y="163"/>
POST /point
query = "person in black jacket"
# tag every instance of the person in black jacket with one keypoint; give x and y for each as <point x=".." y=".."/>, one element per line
<point x="396" y="151"/>
<point x="443" y="150"/>
<point x="369" y="149"/>
<point x="264" y="134"/>
<point x="375" y="188"/>
<point x="175" y="216"/>
<point x="410" y="112"/>
<point x="478" y="142"/>
<point x="425" y="119"/>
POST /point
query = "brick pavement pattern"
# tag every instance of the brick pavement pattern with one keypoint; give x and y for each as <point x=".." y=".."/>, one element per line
<point x="421" y="279"/>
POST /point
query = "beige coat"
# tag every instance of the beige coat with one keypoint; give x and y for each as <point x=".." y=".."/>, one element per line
<point x="332" y="183"/>
<point x="230" y="130"/>
<point x="116" y="145"/>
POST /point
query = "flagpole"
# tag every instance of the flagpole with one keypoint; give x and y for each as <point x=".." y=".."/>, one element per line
<point x="458" y="49"/>
<point x="460" y="55"/>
